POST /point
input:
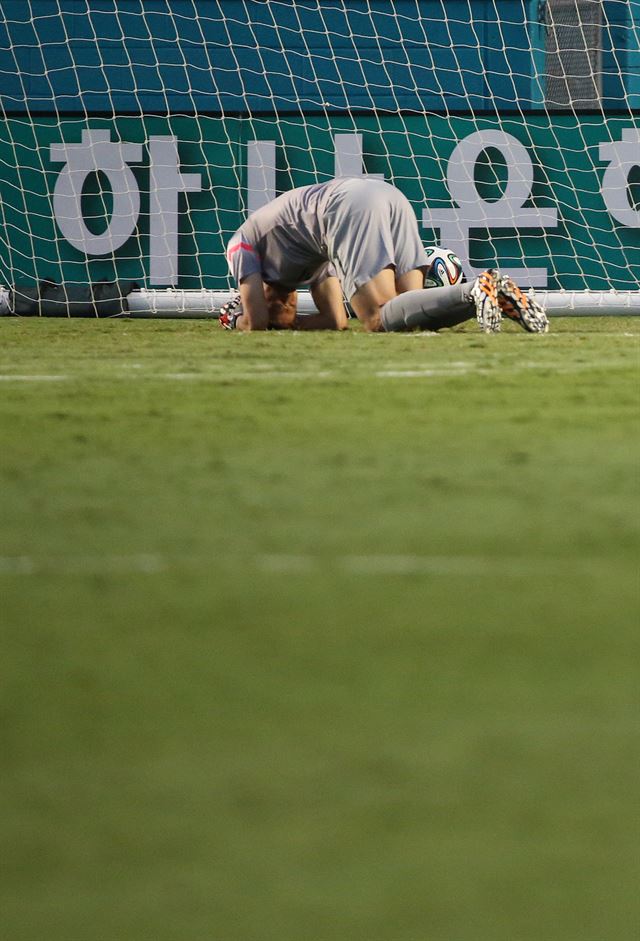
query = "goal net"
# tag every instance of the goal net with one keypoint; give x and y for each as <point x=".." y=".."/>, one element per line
<point x="135" y="135"/>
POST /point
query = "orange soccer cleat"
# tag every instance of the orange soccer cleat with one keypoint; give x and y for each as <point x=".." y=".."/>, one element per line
<point x="484" y="294"/>
<point x="521" y="307"/>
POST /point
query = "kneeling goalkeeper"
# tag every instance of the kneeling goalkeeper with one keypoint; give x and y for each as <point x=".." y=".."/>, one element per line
<point x="359" y="238"/>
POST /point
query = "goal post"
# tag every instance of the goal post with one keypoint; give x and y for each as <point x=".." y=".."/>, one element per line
<point x="135" y="135"/>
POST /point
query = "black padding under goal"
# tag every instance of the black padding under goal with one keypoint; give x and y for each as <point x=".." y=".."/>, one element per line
<point x="49" y="299"/>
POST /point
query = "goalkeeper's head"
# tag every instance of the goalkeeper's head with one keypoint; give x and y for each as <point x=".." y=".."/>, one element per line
<point x="283" y="306"/>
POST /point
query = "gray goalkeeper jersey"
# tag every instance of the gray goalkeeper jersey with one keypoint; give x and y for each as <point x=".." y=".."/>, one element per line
<point x="351" y="228"/>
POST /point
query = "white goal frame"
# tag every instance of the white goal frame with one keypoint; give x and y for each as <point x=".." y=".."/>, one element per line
<point x="135" y="138"/>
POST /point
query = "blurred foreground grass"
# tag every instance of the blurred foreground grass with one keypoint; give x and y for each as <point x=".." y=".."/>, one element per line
<point x="318" y="637"/>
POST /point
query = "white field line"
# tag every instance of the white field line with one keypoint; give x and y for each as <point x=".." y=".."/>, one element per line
<point x="291" y="564"/>
<point x="242" y="376"/>
<point x="399" y="564"/>
<point x="548" y="337"/>
<point x="15" y="377"/>
<point x="265" y="373"/>
<point x="459" y="369"/>
<point x="141" y="563"/>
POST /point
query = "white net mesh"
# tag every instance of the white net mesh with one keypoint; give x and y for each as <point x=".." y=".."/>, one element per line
<point x="134" y="136"/>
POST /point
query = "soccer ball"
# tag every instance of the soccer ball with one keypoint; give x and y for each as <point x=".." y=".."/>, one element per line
<point x="445" y="268"/>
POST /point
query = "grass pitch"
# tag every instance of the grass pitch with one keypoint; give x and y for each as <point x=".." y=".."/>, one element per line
<point x="324" y="637"/>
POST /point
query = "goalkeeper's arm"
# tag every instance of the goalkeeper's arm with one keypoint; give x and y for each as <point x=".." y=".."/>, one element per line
<point x="255" y="313"/>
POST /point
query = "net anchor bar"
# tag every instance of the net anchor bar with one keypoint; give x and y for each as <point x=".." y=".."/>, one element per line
<point x="173" y="304"/>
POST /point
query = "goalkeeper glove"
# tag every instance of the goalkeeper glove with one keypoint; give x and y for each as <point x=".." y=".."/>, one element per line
<point x="230" y="312"/>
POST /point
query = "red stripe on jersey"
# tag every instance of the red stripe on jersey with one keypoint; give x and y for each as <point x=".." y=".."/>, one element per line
<point x="236" y="248"/>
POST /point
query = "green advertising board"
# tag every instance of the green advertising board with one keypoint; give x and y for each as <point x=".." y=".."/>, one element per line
<point x="556" y="198"/>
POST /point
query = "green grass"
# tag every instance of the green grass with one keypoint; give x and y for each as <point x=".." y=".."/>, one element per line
<point x="318" y="637"/>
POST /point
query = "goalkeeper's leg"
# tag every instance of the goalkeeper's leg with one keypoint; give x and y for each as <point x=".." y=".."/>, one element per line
<point x="428" y="309"/>
<point x="435" y="308"/>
